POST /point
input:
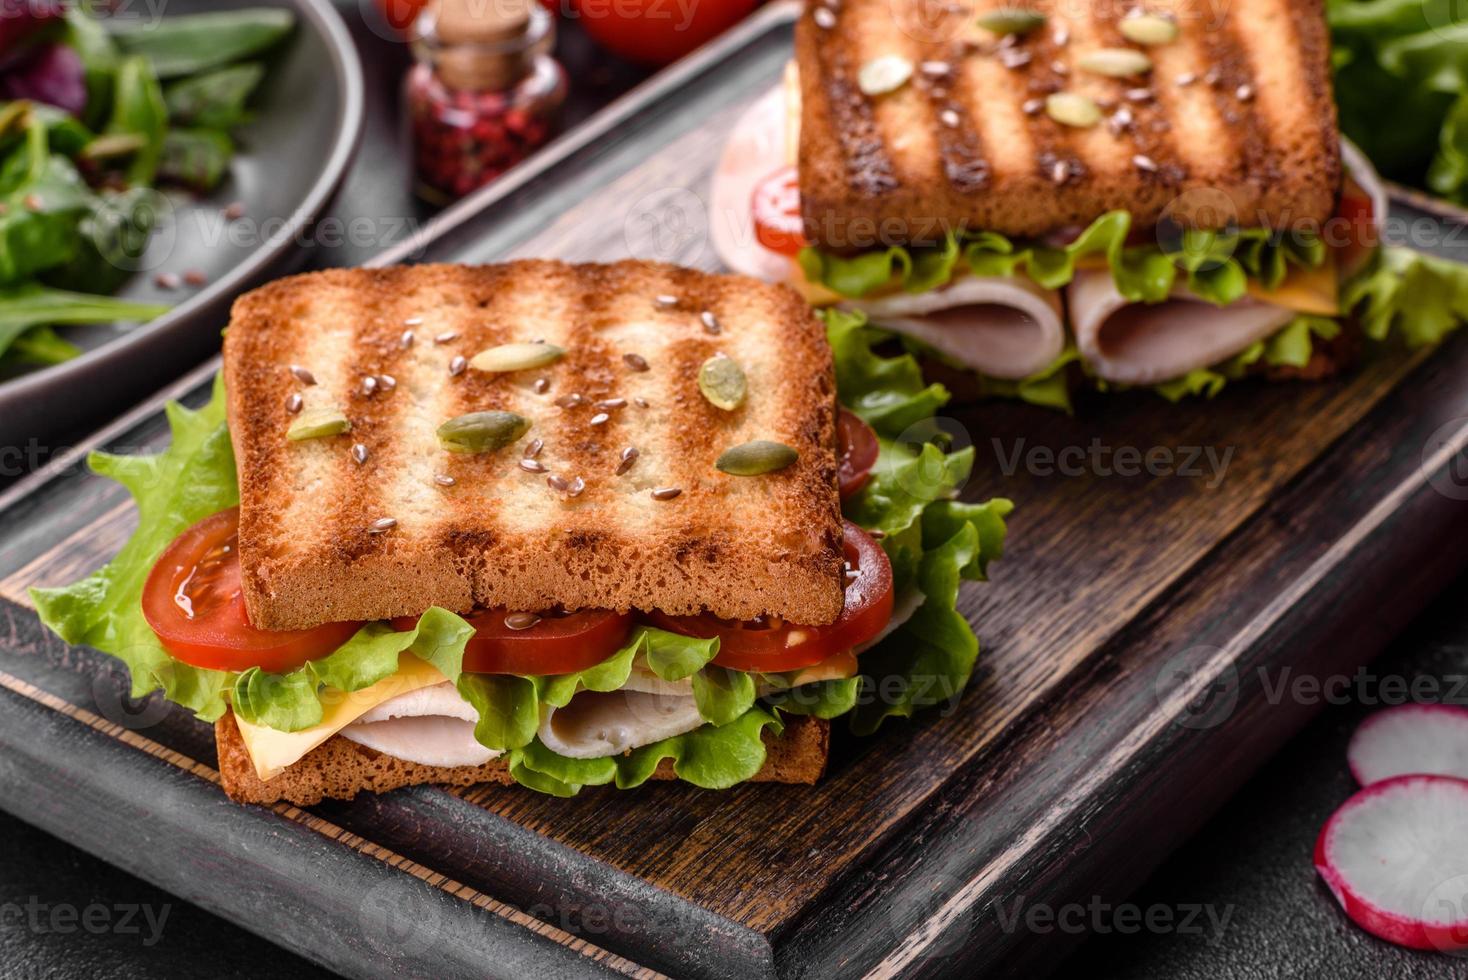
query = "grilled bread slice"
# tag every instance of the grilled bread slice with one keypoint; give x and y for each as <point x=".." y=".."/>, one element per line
<point x="340" y="769"/>
<point x="381" y="521"/>
<point x="1234" y="123"/>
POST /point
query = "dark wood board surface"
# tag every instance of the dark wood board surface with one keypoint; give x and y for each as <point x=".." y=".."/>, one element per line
<point x="1080" y="756"/>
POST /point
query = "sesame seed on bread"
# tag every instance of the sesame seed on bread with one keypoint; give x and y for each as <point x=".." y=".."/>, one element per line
<point x="1234" y="123"/>
<point x="382" y="521"/>
<point x="340" y="769"/>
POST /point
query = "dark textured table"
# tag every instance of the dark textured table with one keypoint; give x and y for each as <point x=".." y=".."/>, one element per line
<point x="66" y="914"/>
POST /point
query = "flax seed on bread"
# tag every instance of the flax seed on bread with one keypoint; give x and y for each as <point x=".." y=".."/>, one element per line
<point x="333" y="532"/>
<point x="340" y="769"/>
<point x="1236" y="111"/>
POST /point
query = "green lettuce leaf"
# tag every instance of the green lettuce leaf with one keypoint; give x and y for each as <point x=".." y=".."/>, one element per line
<point x="1216" y="264"/>
<point x="1405" y="61"/>
<point x="173" y="490"/>
<point x="824" y="699"/>
<point x="888" y="393"/>
<point x="1405" y="294"/>
<point x="722" y="695"/>
<point x="709" y="757"/>
<point x="510" y="706"/>
<point x="1292" y="346"/>
<point x="292" y="701"/>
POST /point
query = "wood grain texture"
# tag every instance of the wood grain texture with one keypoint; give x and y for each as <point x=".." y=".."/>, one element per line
<point x="1076" y="759"/>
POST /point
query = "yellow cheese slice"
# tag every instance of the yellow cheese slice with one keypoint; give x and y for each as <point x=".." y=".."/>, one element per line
<point x="1304" y="290"/>
<point x="272" y="751"/>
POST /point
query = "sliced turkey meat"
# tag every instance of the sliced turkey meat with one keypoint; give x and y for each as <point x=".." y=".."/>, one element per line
<point x="432" y="726"/>
<point x="1000" y="326"/>
<point x="594" y="724"/>
<point x="1147" y="343"/>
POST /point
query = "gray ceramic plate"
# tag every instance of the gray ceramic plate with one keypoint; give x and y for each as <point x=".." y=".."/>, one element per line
<point x="292" y="157"/>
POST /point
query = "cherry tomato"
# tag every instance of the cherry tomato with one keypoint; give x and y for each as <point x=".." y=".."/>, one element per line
<point x="772" y="645"/>
<point x="554" y="643"/>
<point x="856" y="452"/>
<point x="776" y="206"/>
<point x="192" y="600"/>
<point x="657" y="32"/>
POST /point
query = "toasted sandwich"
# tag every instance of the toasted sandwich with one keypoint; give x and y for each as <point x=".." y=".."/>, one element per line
<point x="1149" y="194"/>
<point x="557" y="525"/>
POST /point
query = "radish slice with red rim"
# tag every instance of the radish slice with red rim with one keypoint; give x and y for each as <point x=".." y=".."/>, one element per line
<point x="1395" y="856"/>
<point x="1430" y="739"/>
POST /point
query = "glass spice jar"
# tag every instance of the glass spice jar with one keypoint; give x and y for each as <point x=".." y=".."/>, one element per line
<point x="484" y="92"/>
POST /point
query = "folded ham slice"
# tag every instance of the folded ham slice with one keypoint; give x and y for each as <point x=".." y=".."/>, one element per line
<point x="1004" y="327"/>
<point x="1148" y="343"/>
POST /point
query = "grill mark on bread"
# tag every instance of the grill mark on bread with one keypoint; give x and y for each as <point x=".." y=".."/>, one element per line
<point x="955" y="130"/>
<point x="1242" y="128"/>
<point x="1284" y="108"/>
<point x="1150" y="134"/>
<point x="374" y="425"/>
<point x="869" y="168"/>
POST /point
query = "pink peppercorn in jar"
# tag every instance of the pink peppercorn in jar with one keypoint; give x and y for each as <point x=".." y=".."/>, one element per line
<point x="484" y="93"/>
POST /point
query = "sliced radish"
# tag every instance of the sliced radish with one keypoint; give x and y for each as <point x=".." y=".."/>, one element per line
<point x="1395" y="856"/>
<point x="1429" y="739"/>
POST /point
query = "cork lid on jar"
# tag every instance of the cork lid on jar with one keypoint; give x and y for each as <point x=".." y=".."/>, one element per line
<point x="482" y="44"/>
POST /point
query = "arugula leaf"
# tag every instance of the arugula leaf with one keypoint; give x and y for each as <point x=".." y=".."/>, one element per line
<point x="39" y="345"/>
<point x="191" y="43"/>
<point x="138" y="109"/>
<point x="215" y="99"/>
<point x="112" y="238"/>
<point x="43" y="197"/>
<point x="196" y="158"/>
<point x="30" y="305"/>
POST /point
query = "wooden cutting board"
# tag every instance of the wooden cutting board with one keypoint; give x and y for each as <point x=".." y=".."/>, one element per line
<point x="1144" y="644"/>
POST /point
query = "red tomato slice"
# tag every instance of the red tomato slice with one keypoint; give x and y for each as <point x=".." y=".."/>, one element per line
<point x="776" y="206"/>
<point x="558" y="643"/>
<point x="554" y="643"/>
<point x="1360" y="232"/>
<point x="856" y="453"/>
<point x="772" y="645"/>
<point x="193" y="601"/>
